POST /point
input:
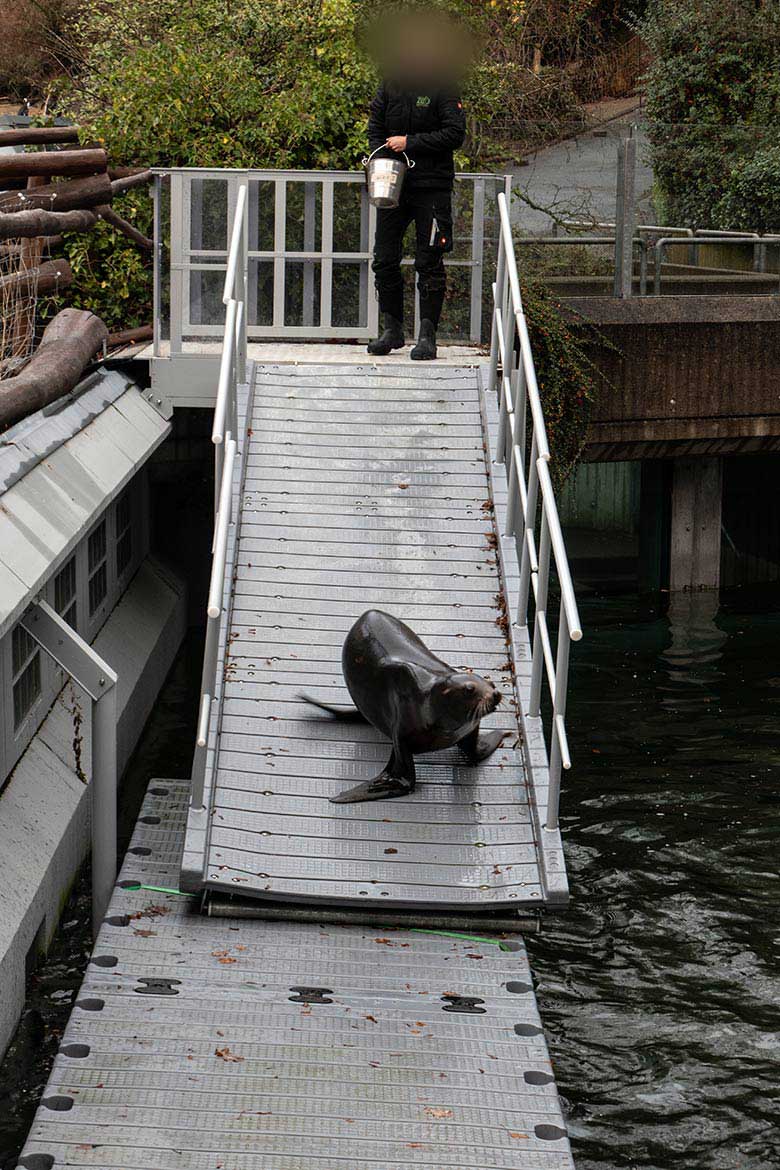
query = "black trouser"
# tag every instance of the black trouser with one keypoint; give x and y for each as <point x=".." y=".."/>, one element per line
<point x="431" y="212"/>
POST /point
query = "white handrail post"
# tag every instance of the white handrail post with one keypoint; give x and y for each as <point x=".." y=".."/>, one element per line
<point x="513" y="492"/>
<point x="559" y="714"/>
<point x="497" y="300"/>
<point x="208" y="676"/>
<point x="529" y="526"/>
<point x="537" y="652"/>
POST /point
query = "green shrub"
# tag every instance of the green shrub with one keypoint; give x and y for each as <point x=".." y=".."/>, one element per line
<point x="211" y="83"/>
<point x="713" y="102"/>
<point x="751" y="200"/>
<point x="568" y="378"/>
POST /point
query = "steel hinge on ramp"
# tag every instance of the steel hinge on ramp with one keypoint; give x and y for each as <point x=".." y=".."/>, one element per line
<point x="221" y="906"/>
<point x="287" y="1045"/>
<point x="159" y="402"/>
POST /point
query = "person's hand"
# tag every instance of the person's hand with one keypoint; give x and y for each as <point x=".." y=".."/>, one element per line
<point x="397" y="143"/>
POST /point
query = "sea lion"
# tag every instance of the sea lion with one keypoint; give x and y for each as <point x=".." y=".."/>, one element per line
<point x="419" y="702"/>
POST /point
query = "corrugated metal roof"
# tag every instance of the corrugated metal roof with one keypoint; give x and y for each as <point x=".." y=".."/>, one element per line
<point x="58" y="471"/>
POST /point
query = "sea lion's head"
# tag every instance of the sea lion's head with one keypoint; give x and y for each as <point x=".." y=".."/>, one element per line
<point x="463" y="699"/>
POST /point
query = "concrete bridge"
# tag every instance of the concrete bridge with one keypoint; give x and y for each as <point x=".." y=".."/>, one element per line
<point x="689" y="381"/>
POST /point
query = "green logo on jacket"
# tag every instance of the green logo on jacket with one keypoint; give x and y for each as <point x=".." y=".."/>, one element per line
<point x="423" y="100"/>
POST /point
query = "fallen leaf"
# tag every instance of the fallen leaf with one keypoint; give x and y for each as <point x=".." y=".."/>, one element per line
<point x="439" y="1114"/>
<point x="226" y="1055"/>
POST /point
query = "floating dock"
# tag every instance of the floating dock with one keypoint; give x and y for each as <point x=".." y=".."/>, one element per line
<point x="201" y="1042"/>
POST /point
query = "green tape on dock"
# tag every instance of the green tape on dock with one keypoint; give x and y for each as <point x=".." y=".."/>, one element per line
<point x="158" y="890"/>
<point x="491" y="942"/>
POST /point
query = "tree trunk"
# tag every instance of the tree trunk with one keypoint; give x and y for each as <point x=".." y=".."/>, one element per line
<point x="27" y="224"/>
<point x="52" y="162"/>
<point x="48" y="277"/>
<point x="125" y="228"/>
<point x="124" y="184"/>
<point x="68" y="344"/>
<point x="125" y="172"/>
<point x="128" y="336"/>
<point x="39" y="135"/>
<point x="67" y="196"/>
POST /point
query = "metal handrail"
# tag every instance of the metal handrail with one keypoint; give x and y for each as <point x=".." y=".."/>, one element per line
<point x="698" y="241"/>
<point x="532" y="514"/>
<point x="224" y="436"/>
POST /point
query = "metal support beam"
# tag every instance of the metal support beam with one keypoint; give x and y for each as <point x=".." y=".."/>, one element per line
<point x="625" y="217"/>
<point x="79" y="660"/>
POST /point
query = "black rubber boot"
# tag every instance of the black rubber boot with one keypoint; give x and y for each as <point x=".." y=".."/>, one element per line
<point x="392" y="338"/>
<point x="425" y="350"/>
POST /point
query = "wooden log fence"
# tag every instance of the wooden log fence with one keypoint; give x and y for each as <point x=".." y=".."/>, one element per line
<point x="69" y="343"/>
<point x="48" y="163"/>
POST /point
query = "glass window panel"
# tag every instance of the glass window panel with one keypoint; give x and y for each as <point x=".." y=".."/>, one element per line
<point x="65" y="592"/>
<point x="350" y="218"/>
<point x="208" y="214"/>
<point x="350" y="284"/>
<point x="261" y="216"/>
<point x="27" y="689"/>
<point x="302" y="292"/>
<point x="97" y="545"/>
<point x="206" y="288"/>
<point x="260" y="292"/>
<point x="124" y="551"/>
<point x="22" y="647"/>
<point x="304" y="217"/>
<point x="65" y="586"/>
<point x="97" y="589"/>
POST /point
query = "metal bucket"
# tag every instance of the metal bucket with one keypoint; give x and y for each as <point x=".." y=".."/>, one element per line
<point x="385" y="178"/>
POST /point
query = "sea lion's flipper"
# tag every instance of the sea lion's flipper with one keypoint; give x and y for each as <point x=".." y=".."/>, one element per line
<point x="478" y="747"/>
<point x="397" y="778"/>
<point x="347" y="714"/>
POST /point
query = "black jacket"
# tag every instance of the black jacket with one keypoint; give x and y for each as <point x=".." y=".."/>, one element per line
<point x="434" y="125"/>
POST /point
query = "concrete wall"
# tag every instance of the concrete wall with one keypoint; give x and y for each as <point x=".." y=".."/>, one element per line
<point x="602" y="497"/>
<point x="44" y="808"/>
<point x="684" y="375"/>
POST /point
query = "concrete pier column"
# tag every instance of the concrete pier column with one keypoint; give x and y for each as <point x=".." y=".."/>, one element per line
<point x="696" y="524"/>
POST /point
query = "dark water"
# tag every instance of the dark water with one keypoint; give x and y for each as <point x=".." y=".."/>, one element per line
<point x="660" y="988"/>
<point x="164" y="750"/>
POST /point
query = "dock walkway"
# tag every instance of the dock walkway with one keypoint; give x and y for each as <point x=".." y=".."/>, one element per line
<point x="362" y="486"/>
<point x="199" y="1043"/>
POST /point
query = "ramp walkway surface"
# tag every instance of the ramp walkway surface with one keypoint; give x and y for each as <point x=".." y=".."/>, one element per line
<point x="208" y="1044"/>
<point x="362" y="486"/>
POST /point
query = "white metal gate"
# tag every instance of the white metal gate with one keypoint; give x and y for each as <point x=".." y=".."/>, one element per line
<point x="307" y="259"/>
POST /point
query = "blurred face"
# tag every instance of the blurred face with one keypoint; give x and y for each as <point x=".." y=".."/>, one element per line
<point x="419" y="47"/>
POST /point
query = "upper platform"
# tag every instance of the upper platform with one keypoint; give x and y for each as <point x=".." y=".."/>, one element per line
<point x="367" y="485"/>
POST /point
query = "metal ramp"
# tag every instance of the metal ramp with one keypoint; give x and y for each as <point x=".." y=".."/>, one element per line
<point x="198" y="1042"/>
<point x="362" y="486"/>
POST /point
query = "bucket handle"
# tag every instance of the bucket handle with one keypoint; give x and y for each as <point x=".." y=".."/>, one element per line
<point x="367" y="159"/>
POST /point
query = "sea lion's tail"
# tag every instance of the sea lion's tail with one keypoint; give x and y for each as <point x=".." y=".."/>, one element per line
<point x="347" y="714"/>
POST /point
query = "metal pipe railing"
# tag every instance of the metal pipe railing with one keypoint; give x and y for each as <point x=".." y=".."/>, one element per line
<point x="531" y="505"/>
<point x="695" y="242"/>
<point x="224" y="436"/>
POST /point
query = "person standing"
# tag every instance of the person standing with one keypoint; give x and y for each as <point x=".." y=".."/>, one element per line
<point x="428" y="124"/>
